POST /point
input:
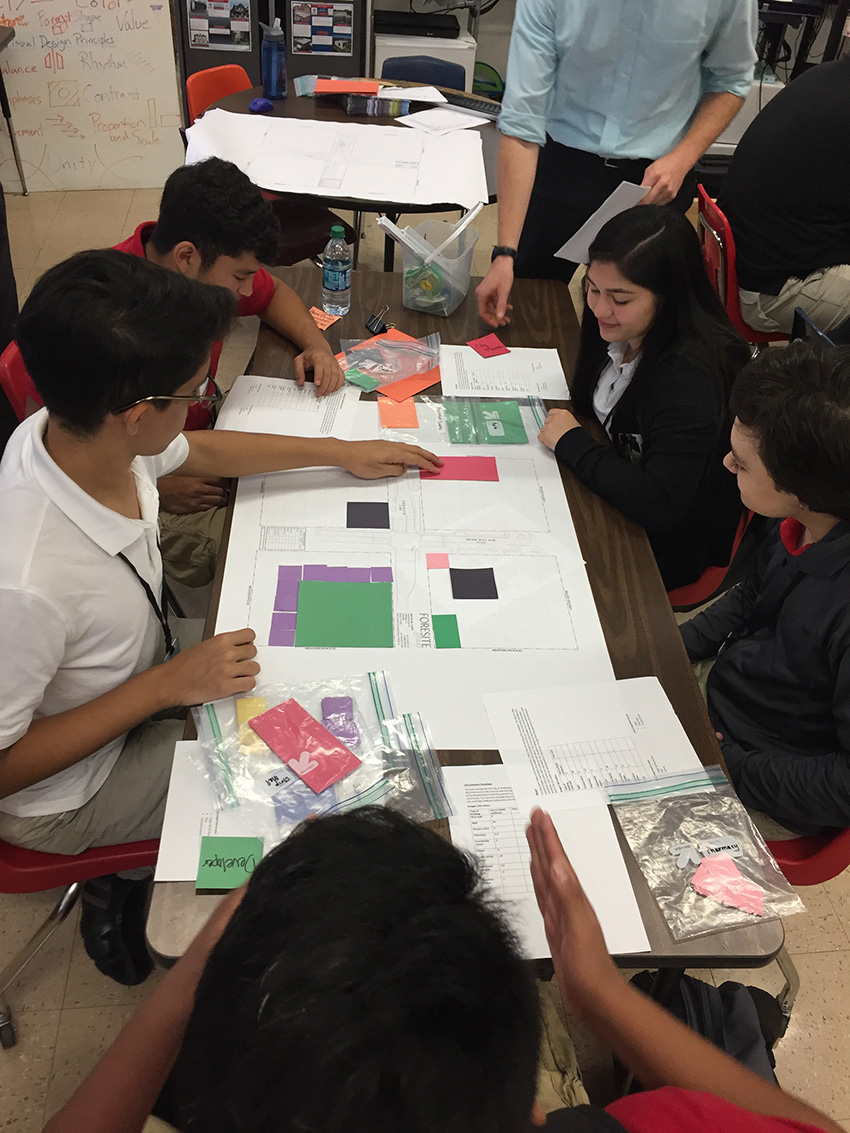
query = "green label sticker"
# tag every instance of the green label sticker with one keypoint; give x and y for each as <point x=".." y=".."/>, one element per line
<point x="226" y="863"/>
<point x="484" y="423"/>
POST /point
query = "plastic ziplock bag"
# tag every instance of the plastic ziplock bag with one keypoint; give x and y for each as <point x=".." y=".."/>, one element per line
<point x="352" y="752"/>
<point x="378" y="362"/>
<point x="471" y="421"/>
<point x="706" y="864"/>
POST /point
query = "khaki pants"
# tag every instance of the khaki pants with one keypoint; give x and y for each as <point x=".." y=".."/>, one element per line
<point x="190" y="544"/>
<point x="559" y="1083"/>
<point x="129" y="807"/>
<point x="823" y="295"/>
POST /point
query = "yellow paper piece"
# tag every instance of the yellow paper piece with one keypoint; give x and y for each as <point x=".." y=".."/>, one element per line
<point x="247" y="707"/>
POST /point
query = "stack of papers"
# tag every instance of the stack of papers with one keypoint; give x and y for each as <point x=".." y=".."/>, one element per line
<point x="442" y="120"/>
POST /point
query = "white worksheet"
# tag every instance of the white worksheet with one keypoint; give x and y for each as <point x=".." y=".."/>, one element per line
<point x="524" y="372"/>
<point x="413" y="94"/>
<point x="269" y="405"/>
<point x="488" y="822"/>
<point x="190" y="813"/>
<point x="565" y="746"/>
<point x="498" y="561"/>
<point x="625" y="196"/>
<point x="345" y="159"/>
<point x="441" y="120"/>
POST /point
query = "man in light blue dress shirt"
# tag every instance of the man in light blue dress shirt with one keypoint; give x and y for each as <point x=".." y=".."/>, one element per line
<point x="604" y="91"/>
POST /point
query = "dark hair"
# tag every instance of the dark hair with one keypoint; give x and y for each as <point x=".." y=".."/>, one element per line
<point x="366" y="984"/>
<point x="796" y="402"/>
<point x="104" y="328"/>
<point x="219" y="210"/>
<point x="657" y="248"/>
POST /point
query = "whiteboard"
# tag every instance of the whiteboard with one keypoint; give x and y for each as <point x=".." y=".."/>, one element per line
<point x="92" y="87"/>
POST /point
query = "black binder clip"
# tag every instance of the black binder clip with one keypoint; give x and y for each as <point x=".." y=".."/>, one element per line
<point x="376" y="324"/>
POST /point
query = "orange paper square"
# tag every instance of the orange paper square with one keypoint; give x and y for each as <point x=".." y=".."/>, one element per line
<point x="398" y="414"/>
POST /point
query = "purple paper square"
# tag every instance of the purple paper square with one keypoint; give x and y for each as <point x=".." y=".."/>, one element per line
<point x="381" y="574"/>
<point x="285" y="620"/>
<point x="286" y="597"/>
<point x="359" y="574"/>
<point x="337" y="574"/>
<point x="315" y="573"/>
<point x="280" y="633"/>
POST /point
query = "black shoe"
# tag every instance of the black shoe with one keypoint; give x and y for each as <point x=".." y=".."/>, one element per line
<point x="112" y="925"/>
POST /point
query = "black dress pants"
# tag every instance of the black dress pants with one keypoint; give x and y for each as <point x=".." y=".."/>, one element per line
<point x="570" y="185"/>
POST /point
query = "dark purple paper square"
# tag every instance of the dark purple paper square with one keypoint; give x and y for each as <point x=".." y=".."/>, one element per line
<point x="315" y="573"/>
<point x="280" y="633"/>
<point x="381" y="574"/>
<point x="286" y="597"/>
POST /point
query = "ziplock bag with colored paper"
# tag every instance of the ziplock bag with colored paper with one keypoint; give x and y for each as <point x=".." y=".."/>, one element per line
<point x="382" y="361"/>
<point x="287" y="752"/>
<point x="706" y="864"/>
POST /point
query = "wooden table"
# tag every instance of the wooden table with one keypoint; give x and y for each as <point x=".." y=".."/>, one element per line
<point x="329" y="109"/>
<point x="640" y="630"/>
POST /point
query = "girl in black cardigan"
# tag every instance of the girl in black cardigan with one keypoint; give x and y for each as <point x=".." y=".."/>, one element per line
<point x="657" y="358"/>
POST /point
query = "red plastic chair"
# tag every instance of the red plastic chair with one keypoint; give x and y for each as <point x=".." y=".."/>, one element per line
<point x="718" y="252"/>
<point x="305" y="228"/>
<point x="17" y="384"/>
<point x="711" y="579"/>
<point x="28" y="871"/>
<point x="812" y="861"/>
<point x="206" y="87"/>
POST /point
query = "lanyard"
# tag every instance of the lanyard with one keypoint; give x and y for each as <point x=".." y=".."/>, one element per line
<point x="158" y="609"/>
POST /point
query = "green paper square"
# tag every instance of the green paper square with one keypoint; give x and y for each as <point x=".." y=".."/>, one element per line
<point x="484" y="423"/>
<point x="226" y="863"/>
<point x="446" y="632"/>
<point x="356" y="615"/>
<point x="365" y="381"/>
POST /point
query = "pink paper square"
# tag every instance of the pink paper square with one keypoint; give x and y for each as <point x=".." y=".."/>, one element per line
<point x="488" y="347"/>
<point x="720" y="878"/>
<point x="464" y="468"/>
<point x="304" y="745"/>
<point x="437" y="561"/>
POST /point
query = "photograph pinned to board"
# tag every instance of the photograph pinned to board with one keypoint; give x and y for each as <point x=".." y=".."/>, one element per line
<point x="321" y="29"/>
<point x="220" y="25"/>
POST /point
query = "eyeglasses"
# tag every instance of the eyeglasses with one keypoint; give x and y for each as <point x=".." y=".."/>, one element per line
<point x="196" y="398"/>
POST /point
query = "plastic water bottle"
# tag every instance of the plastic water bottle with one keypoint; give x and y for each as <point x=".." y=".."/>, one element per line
<point x="274" y="61"/>
<point x="336" y="274"/>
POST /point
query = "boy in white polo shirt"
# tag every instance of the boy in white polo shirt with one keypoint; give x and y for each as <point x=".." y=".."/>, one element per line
<point x="118" y="349"/>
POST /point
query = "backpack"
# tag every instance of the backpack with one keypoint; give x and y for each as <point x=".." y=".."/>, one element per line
<point x="743" y="1021"/>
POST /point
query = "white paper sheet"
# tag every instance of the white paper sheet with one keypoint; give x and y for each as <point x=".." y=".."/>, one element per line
<point x="525" y="372"/>
<point x="625" y="196"/>
<point x="441" y="120"/>
<point x="345" y="159"/>
<point x="190" y="813"/>
<point x="413" y="94"/>
<point x="488" y="822"/>
<point x="543" y="621"/>
<point x="270" y="405"/>
<point x="565" y="746"/>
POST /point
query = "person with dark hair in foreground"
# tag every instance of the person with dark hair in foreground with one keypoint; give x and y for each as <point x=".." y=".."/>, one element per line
<point x="657" y="357"/>
<point x="778" y="644"/>
<point x="366" y="982"/>
<point x="118" y="350"/>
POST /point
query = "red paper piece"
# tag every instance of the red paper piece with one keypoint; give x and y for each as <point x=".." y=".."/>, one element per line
<point x="720" y="878"/>
<point x="308" y="749"/>
<point x="464" y="468"/>
<point x="346" y="86"/>
<point x="488" y="347"/>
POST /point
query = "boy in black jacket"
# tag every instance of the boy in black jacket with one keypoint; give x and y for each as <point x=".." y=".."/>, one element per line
<point x="779" y="689"/>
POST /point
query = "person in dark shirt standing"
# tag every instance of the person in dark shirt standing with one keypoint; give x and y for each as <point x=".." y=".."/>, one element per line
<point x="787" y="198"/>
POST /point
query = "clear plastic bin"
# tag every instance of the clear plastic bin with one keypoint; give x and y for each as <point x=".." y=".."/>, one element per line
<point x="438" y="287"/>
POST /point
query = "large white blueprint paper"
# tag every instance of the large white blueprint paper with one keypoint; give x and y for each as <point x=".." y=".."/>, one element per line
<point x="625" y="196"/>
<point x="270" y="405"/>
<point x="517" y="532"/>
<point x="565" y="746"/>
<point x="524" y="372"/>
<point x="346" y="159"/>
<point x="488" y="821"/>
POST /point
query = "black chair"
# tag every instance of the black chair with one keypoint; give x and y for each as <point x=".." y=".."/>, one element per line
<point x="424" y="69"/>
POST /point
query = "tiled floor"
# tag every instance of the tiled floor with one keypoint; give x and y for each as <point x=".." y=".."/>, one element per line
<point x="67" y="1013"/>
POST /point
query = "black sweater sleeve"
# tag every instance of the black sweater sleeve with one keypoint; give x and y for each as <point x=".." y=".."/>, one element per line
<point x="679" y="417"/>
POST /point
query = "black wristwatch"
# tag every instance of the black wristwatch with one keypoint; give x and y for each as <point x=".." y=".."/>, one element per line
<point x="502" y="250"/>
